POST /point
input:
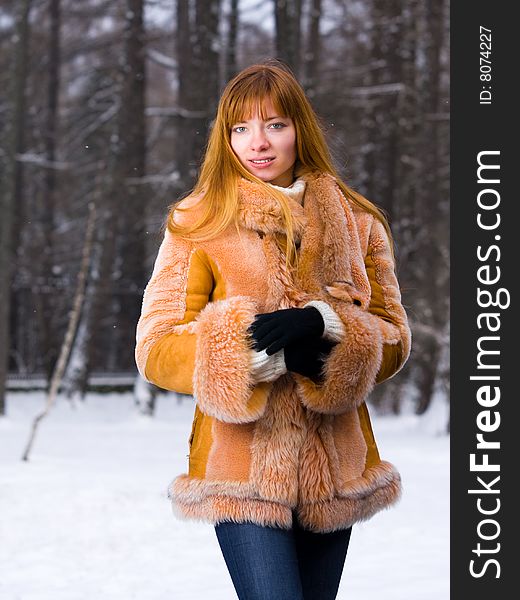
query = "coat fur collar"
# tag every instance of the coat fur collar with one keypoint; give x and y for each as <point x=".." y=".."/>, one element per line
<point x="325" y="227"/>
<point x="261" y="212"/>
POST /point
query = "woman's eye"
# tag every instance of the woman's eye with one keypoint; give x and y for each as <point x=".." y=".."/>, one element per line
<point x="238" y="129"/>
<point x="277" y="125"/>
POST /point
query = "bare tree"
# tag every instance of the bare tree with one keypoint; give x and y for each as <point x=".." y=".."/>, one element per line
<point x="107" y="329"/>
<point x="11" y="189"/>
<point x="288" y="16"/>
<point x="232" y="40"/>
<point x="381" y="122"/>
<point x="198" y="57"/>
<point x="190" y="121"/>
<point x="433" y="208"/>
<point x="45" y="300"/>
<point x="76" y="375"/>
<point x="312" y="53"/>
<point x="69" y="336"/>
<point x="128" y="191"/>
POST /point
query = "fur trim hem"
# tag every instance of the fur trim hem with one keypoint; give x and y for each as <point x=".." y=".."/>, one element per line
<point x="342" y="512"/>
<point x="217" y="509"/>
<point x="372" y="480"/>
<point x="351" y="368"/>
<point x="217" y="501"/>
<point x="223" y="384"/>
<point x="188" y="489"/>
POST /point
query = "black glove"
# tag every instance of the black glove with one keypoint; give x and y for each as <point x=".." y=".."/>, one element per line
<point x="277" y="329"/>
<point x="307" y="356"/>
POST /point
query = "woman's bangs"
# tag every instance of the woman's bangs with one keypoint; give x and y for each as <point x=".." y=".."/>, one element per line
<point x="245" y="105"/>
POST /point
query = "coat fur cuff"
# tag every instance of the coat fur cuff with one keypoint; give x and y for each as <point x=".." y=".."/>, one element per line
<point x="223" y="384"/>
<point x="350" y="371"/>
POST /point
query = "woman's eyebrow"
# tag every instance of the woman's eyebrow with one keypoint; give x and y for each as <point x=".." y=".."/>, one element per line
<point x="268" y="119"/>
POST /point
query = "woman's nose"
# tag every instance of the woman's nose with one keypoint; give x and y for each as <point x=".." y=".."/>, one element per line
<point x="259" y="142"/>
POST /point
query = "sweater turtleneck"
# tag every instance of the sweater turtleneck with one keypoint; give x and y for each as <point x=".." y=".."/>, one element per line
<point x="295" y="191"/>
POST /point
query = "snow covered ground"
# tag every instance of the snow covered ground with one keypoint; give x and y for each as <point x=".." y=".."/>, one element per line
<point x="88" y="518"/>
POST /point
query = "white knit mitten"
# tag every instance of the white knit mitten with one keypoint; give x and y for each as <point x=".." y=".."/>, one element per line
<point x="265" y="367"/>
<point x="334" y="328"/>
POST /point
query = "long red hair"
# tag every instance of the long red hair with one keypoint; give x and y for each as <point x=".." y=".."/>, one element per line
<point x="221" y="170"/>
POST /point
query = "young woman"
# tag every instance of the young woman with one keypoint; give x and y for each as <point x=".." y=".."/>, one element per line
<point x="274" y="301"/>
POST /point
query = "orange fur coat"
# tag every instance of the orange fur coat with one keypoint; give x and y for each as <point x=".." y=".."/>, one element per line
<point x="260" y="452"/>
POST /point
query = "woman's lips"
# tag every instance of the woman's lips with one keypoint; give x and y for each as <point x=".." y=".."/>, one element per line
<point x="262" y="162"/>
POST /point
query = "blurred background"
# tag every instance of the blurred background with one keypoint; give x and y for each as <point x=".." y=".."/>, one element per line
<point x="105" y="107"/>
<point x="104" y="112"/>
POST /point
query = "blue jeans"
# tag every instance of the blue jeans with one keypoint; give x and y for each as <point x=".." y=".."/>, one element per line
<point x="268" y="563"/>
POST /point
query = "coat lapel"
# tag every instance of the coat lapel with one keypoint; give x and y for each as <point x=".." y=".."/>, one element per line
<point x="343" y="262"/>
<point x="324" y="227"/>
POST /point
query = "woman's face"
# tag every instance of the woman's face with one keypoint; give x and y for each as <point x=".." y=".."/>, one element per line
<point x="267" y="149"/>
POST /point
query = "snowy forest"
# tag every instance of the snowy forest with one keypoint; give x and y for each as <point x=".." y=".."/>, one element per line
<point x="105" y="107"/>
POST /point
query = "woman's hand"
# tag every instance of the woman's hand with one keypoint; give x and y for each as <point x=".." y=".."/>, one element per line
<point x="276" y="330"/>
<point x="307" y="356"/>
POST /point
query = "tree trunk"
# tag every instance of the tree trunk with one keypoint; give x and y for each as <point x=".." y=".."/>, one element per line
<point x="231" y="49"/>
<point x="47" y="220"/>
<point x="11" y="189"/>
<point x="312" y="55"/>
<point x="189" y="127"/>
<point x="206" y="54"/>
<point x="115" y="293"/>
<point x="75" y="379"/>
<point x="435" y="242"/>
<point x="198" y="45"/>
<point x="382" y="96"/>
<point x="128" y="191"/>
<point x="287" y="17"/>
<point x="145" y="396"/>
